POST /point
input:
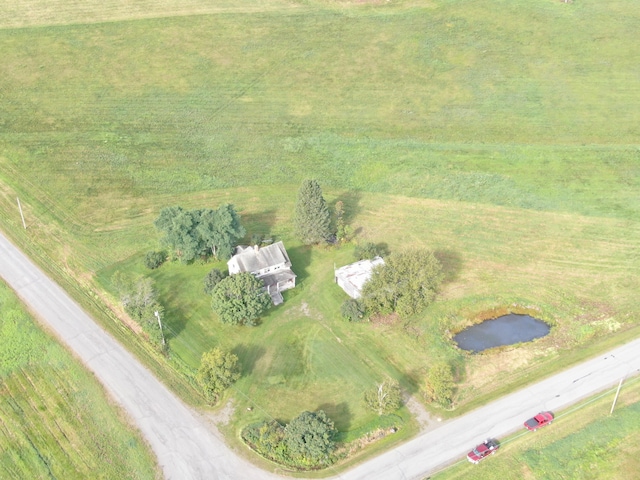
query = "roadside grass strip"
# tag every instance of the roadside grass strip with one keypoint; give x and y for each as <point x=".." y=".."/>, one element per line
<point x="55" y="420"/>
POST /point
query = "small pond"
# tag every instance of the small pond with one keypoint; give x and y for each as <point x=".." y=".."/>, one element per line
<point x="505" y="330"/>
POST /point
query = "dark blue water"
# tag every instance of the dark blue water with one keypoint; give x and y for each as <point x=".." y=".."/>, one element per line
<point x="505" y="330"/>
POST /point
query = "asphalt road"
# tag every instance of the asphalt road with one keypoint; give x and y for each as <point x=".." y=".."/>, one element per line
<point x="454" y="439"/>
<point x="188" y="449"/>
<point x="185" y="447"/>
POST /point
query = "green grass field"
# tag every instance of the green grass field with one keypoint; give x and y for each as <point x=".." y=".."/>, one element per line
<point x="503" y="135"/>
<point x="582" y="443"/>
<point x="55" y="421"/>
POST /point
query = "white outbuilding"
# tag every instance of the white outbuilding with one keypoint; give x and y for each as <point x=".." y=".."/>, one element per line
<point x="352" y="277"/>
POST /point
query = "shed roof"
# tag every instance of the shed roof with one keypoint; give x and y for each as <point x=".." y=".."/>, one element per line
<point x="358" y="273"/>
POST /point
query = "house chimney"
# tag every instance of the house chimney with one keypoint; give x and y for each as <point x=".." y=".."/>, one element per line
<point x="256" y="248"/>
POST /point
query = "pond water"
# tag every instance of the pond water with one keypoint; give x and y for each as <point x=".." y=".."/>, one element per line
<point x="505" y="330"/>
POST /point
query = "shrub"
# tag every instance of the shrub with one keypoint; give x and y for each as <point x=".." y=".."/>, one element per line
<point x="352" y="310"/>
<point x="214" y="277"/>
<point x="439" y="384"/>
<point x="369" y="251"/>
<point x="154" y="259"/>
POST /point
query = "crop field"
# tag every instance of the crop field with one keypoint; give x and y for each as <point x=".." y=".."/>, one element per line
<point x="55" y="421"/>
<point x="503" y="135"/>
<point x="582" y="443"/>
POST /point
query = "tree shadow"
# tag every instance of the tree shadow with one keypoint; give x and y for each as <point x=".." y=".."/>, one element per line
<point x="248" y="356"/>
<point x="300" y="260"/>
<point x="451" y="264"/>
<point x="413" y="380"/>
<point x="259" y="223"/>
<point x="340" y="413"/>
<point x="351" y="201"/>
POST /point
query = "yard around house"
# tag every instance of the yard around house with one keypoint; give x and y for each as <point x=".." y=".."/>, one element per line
<point x="504" y="137"/>
<point x="55" y="420"/>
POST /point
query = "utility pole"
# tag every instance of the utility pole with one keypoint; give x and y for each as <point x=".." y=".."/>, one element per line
<point x="157" y="314"/>
<point x="616" y="397"/>
<point x="21" y="214"/>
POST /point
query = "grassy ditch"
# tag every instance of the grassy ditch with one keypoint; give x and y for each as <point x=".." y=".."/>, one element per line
<point x="55" y="418"/>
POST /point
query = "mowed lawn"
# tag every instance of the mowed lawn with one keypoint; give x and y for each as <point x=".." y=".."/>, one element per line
<point x="55" y="420"/>
<point x="502" y="135"/>
<point x="584" y="443"/>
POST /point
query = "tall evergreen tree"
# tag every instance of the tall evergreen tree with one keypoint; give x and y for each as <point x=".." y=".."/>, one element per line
<point x="312" y="217"/>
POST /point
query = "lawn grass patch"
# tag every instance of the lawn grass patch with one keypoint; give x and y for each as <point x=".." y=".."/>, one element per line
<point x="55" y="420"/>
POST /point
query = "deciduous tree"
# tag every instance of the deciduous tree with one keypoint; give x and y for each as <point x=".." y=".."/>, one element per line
<point x="218" y="371"/>
<point x="385" y="398"/>
<point x="310" y="437"/>
<point x="240" y="299"/>
<point x="405" y="284"/>
<point x="312" y="218"/>
<point x="179" y="228"/>
<point x="219" y="230"/>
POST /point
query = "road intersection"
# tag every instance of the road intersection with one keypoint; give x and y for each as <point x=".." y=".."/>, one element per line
<point x="188" y="448"/>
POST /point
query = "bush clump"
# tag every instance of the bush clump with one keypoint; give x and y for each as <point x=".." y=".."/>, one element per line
<point x="154" y="259"/>
<point x="306" y="443"/>
<point x="352" y="310"/>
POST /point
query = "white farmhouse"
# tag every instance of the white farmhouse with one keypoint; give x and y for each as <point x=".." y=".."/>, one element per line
<point x="270" y="264"/>
<point x="352" y="278"/>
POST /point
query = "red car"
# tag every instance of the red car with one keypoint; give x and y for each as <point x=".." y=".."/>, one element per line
<point x="485" y="449"/>
<point x="540" y="420"/>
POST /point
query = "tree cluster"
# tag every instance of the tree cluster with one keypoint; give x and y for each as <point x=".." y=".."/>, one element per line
<point x="140" y="300"/>
<point x="306" y="442"/>
<point x="240" y="299"/>
<point x="193" y="233"/>
<point x="218" y="371"/>
<point x="406" y="283"/>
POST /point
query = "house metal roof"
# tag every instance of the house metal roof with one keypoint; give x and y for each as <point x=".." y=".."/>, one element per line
<point x="254" y="259"/>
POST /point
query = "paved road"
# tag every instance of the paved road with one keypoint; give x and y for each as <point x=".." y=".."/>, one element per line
<point x="187" y="449"/>
<point x="454" y="439"/>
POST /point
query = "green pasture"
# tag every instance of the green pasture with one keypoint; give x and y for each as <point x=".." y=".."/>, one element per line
<point x="503" y="135"/>
<point x="583" y="443"/>
<point x="55" y="421"/>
